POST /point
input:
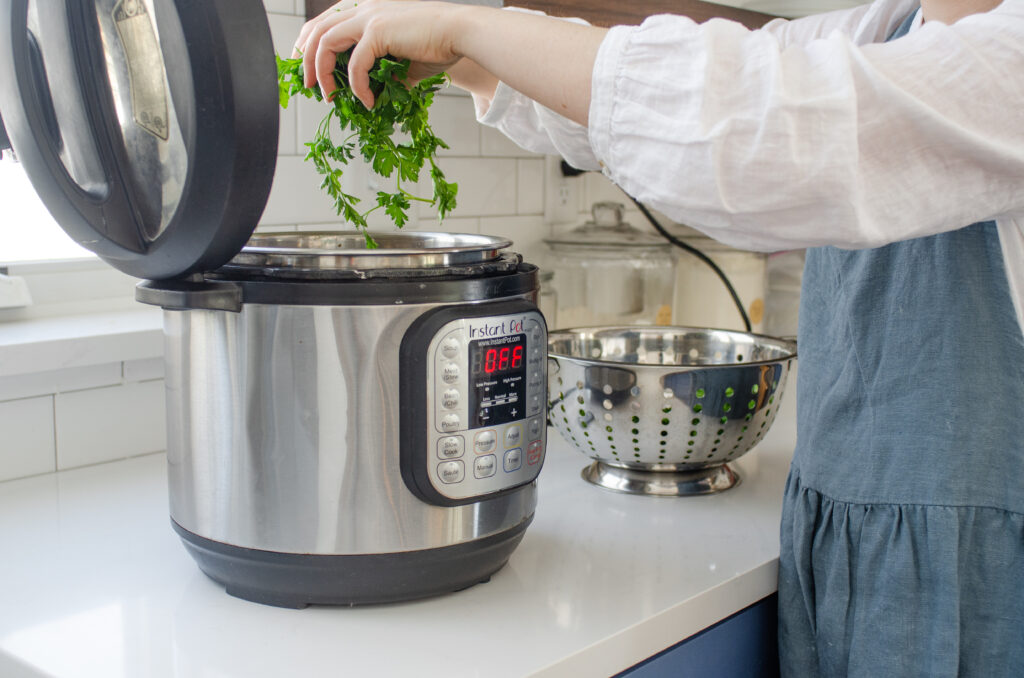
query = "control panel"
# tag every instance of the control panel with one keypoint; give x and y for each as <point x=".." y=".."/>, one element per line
<point x="484" y="395"/>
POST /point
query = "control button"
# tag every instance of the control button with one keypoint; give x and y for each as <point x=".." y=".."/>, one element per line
<point x="484" y="467"/>
<point x="513" y="460"/>
<point x="533" y="406"/>
<point x="450" y="373"/>
<point x="536" y="425"/>
<point x="485" y="441"/>
<point x="450" y="347"/>
<point x="513" y="434"/>
<point x="451" y="472"/>
<point x="450" y="399"/>
<point x="451" y="447"/>
<point x="450" y="422"/>
<point x="534" y="452"/>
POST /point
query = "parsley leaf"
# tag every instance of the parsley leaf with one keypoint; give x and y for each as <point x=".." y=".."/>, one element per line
<point x="369" y="133"/>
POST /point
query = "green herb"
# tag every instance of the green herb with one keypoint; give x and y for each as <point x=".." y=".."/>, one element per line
<point x="369" y="132"/>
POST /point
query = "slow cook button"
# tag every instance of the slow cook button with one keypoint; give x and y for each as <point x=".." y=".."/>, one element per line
<point x="450" y="422"/>
<point x="450" y="399"/>
<point x="450" y="373"/>
<point x="451" y="472"/>
<point x="485" y="441"/>
<point x="513" y="460"/>
<point x="484" y="467"/>
<point x="451" y="447"/>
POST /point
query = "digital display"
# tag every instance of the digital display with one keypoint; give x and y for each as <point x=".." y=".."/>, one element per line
<point x="497" y="376"/>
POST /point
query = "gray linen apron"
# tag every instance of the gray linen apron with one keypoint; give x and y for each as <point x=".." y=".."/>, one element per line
<point x="902" y="536"/>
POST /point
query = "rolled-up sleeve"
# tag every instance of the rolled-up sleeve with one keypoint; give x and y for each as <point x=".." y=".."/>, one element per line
<point x="765" y="141"/>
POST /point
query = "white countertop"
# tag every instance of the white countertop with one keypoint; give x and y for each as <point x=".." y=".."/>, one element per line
<point x="94" y="583"/>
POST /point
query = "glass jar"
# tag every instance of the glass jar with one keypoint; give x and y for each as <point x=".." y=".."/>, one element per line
<point x="607" y="272"/>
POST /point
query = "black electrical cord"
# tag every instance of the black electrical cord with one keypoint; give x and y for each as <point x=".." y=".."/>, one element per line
<point x="570" y="171"/>
<point x="700" y="255"/>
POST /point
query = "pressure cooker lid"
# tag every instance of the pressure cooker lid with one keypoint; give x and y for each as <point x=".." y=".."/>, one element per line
<point x="148" y="127"/>
<point x="344" y="254"/>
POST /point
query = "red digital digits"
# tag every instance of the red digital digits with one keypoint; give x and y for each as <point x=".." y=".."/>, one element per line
<point x="496" y="360"/>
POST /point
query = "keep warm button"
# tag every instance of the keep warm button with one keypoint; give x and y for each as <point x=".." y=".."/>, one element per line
<point x="534" y="452"/>
<point x="451" y="472"/>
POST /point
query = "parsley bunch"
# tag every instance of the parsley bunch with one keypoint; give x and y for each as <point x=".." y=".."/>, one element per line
<point x="370" y="131"/>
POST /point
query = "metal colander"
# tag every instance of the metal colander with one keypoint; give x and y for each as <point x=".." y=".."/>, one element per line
<point x="661" y="410"/>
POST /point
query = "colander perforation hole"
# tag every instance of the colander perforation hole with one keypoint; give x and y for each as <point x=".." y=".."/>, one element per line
<point x="665" y="421"/>
<point x="699" y="393"/>
<point x="636" y="419"/>
<point x="739" y="357"/>
<point x="634" y="391"/>
<point x="635" y="404"/>
<point x="607" y="404"/>
<point x="667" y="393"/>
<point x="698" y="407"/>
<point x="694" y="354"/>
<point x="754" y="389"/>
<point x="607" y="416"/>
<point x="579" y="385"/>
<point x="729" y="392"/>
<point x="727" y="407"/>
<point x="664" y="433"/>
<point x="607" y="389"/>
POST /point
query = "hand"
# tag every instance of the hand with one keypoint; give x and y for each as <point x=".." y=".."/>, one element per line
<point x="419" y="31"/>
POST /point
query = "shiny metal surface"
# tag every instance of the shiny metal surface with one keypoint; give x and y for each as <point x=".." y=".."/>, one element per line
<point x="347" y="250"/>
<point x="670" y="400"/>
<point x="157" y="160"/>
<point x="661" y="483"/>
<point x="283" y="434"/>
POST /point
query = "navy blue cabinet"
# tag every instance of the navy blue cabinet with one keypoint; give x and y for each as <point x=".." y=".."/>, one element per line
<point x="744" y="645"/>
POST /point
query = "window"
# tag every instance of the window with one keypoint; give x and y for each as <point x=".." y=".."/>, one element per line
<point x="27" y="231"/>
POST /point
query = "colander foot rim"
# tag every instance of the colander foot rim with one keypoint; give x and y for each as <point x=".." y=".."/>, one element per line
<point x="709" y="480"/>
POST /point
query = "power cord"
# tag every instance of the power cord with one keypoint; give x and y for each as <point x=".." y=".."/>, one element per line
<point x="570" y="171"/>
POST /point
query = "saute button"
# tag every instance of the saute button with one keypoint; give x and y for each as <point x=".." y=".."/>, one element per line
<point x="450" y="347"/>
<point x="450" y="447"/>
<point x="450" y="399"/>
<point x="513" y="460"/>
<point x="484" y="467"/>
<point x="451" y="373"/>
<point x="450" y="422"/>
<point x="485" y="441"/>
<point x="513" y="434"/>
<point x="451" y="472"/>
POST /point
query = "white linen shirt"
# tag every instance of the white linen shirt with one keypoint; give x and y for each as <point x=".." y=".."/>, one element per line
<point x="807" y="132"/>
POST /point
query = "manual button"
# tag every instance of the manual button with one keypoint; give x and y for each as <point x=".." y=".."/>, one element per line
<point x="451" y="472"/>
<point x="484" y="467"/>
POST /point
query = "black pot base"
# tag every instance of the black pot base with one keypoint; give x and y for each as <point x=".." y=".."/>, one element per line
<point x="298" y="580"/>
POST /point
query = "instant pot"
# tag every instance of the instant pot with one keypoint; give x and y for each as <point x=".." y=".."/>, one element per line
<point x="345" y="425"/>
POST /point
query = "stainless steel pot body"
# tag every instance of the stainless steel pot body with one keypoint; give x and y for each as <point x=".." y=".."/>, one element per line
<point x="283" y="433"/>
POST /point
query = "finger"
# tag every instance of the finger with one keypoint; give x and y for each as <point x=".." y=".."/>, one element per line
<point x="311" y="45"/>
<point x="359" y="65"/>
<point x="326" y="60"/>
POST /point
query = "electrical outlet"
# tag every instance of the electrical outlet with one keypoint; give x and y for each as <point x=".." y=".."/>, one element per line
<point x="13" y="292"/>
<point x="561" y="193"/>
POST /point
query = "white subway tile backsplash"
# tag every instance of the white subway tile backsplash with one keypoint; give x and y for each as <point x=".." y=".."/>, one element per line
<point x="26" y="438"/>
<point x="450" y="225"/>
<point x="111" y="423"/>
<point x="59" y="381"/>
<point x="530" y="186"/>
<point x="527" y="234"/>
<point x="281" y="6"/>
<point x="143" y="370"/>
<point x="454" y="122"/>
<point x="295" y="196"/>
<point x="487" y="186"/>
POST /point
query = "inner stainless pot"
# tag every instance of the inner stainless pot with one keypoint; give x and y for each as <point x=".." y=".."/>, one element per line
<point x="348" y="251"/>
